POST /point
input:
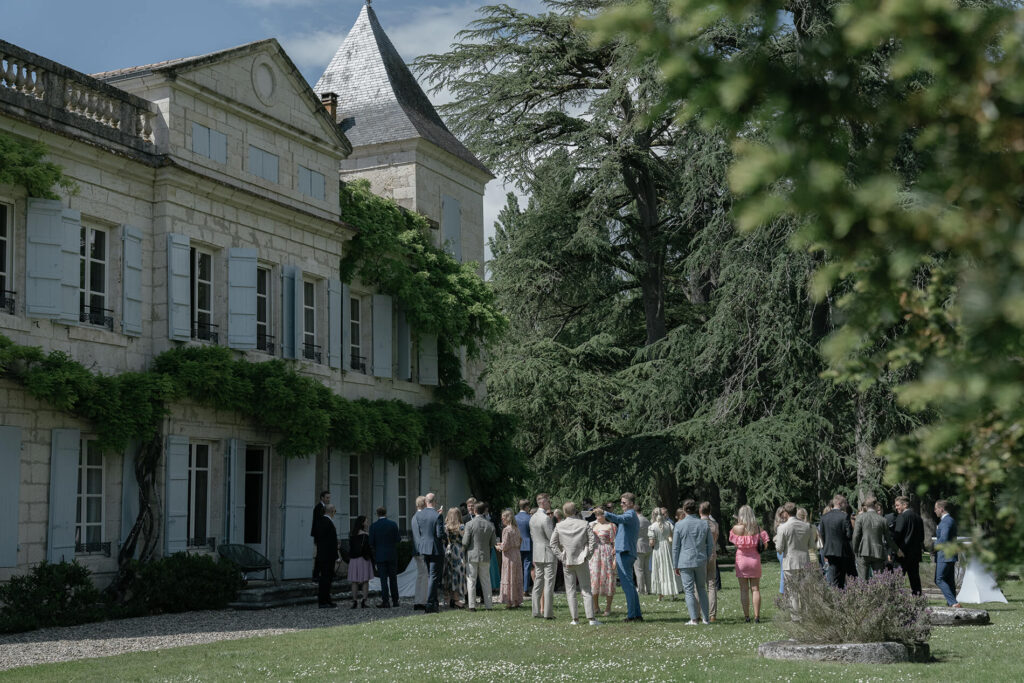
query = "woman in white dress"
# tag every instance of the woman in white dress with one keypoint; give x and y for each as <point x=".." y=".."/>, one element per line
<point x="663" y="577"/>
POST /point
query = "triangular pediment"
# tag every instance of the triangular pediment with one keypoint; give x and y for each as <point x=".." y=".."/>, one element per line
<point x="259" y="77"/>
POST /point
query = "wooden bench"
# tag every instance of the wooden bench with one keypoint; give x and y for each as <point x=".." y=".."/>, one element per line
<point x="246" y="558"/>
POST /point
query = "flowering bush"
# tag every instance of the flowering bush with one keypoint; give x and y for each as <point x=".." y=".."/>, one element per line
<point x="879" y="610"/>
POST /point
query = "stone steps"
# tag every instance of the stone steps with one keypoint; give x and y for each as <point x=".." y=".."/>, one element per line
<point x="267" y="595"/>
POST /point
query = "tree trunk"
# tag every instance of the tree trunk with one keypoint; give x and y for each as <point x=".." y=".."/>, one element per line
<point x="650" y="248"/>
<point x="868" y="466"/>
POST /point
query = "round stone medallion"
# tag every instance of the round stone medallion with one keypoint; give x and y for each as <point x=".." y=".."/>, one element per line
<point x="263" y="80"/>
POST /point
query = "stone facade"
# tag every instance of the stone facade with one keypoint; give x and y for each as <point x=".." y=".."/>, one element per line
<point x="172" y="193"/>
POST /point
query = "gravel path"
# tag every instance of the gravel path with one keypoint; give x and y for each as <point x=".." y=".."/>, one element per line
<point x="106" y="638"/>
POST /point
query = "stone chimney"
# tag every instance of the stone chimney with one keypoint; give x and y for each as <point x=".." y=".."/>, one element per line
<point x="330" y="102"/>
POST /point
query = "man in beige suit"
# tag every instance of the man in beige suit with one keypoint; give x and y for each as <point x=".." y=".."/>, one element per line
<point x="477" y="540"/>
<point x="795" y="540"/>
<point x="573" y="542"/>
<point x="542" y="524"/>
<point x="872" y="540"/>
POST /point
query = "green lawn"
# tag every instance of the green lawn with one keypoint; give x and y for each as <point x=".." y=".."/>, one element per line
<point x="510" y="644"/>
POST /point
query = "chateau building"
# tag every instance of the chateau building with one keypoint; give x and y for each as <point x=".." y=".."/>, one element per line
<point x="207" y="212"/>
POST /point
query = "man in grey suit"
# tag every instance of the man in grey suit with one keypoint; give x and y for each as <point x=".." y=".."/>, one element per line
<point x="642" y="568"/>
<point x="542" y="525"/>
<point x="427" y="532"/>
<point x="794" y="540"/>
<point x="691" y="547"/>
<point x="871" y="540"/>
<point x="477" y="540"/>
<point x="573" y="542"/>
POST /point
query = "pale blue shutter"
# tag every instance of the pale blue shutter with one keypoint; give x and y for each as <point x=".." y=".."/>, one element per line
<point x="391" y="490"/>
<point x="242" y="298"/>
<point x="176" y="495"/>
<point x="291" y="280"/>
<point x="218" y="147"/>
<point x="236" y="491"/>
<point x="44" y="240"/>
<point x="404" y="344"/>
<point x="299" y="494"/>
<point x="65" y="446"/>
<point x="334" y="324"/>
<point x="131" y="281"/>
<point x="379" y="483"/>
<point x="300" y="318"/>
<point x="346" y="326"/>
<point x="129" y="492"/>
<point x="427" y="359"/>
<point x="451" y="226"/>
<point x="381" y="335"/>
<point x="179" y="284"/>
<point x="10" y="489"/>
<point x="70" y="255"/>
<point x="337" y="476"/>
<point x="200" y="139"/>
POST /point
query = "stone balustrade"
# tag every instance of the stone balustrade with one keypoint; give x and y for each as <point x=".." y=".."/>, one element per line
<point x="54" y="85"/>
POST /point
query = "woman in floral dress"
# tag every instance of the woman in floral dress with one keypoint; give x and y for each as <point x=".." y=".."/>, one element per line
<point x="602" y="563"/>
<point x="453" y="582"/>
<point x="512" y="564"/>
<point x="663" y="576"/>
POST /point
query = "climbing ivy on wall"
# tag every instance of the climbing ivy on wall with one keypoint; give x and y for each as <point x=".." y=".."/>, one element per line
<point x="306" y="416"/>
<point x="21" y="164"/>
<point x="392" y="251"/>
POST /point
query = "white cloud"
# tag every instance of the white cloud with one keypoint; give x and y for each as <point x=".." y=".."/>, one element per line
<point x="279" y="3"/>
<point x="309" y="50"/>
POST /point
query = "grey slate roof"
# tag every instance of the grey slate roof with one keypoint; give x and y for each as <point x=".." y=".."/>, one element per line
<point x="376" y="89"/>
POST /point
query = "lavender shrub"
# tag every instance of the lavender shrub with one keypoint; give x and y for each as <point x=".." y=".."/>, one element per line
<point x="879" y="610"/>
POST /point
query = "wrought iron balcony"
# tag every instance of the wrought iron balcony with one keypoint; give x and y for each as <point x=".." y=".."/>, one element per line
<point x="265" y="343"/>
<point x="358" y="363"/>
<point x="312" y="352"/>
<point x="7" y="300"/>
<point x="205" y="332"/>
<point x="88" y="548"/>
<point x="94" y="315"/>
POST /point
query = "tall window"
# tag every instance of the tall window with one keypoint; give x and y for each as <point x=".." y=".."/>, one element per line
<point x="89" y="515"/>
<point x="403" y="497"/>
<point x="353" y="488"/>
<point x="198" y="493"/>
<point x="358" y="361"/>
<point x="255" y="487"/>
<point x="6" y="298"/>
<point x="92" y="278"/>
<point x="310" y="350"/>
<point x="264" y="340"/>
<point x="202" y="295"/>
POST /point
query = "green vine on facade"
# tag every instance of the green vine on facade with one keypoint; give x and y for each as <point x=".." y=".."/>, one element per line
<point x="21" y="164"/>
<point x="392" y="251"/>
<point x="306" y="416"/>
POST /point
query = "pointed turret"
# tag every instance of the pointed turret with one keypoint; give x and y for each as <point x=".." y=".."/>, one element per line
<point x="379" y="94"/>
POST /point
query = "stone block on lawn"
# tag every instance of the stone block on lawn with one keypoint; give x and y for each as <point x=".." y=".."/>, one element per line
<point x="860" y="653"/>
<point x="957" y="616"/>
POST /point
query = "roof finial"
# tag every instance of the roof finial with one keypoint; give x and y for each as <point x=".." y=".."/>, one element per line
<point x="369" y="2"/>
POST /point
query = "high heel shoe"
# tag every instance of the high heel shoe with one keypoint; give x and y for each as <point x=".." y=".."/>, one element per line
<point x="746" y="620"/>
<point x="364" y="603"/>
<point x="354" y="604"/>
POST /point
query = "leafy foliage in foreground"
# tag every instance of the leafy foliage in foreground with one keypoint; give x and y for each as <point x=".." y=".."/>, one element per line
<point x="890" y="129"/>
<point x="22" y="164"/>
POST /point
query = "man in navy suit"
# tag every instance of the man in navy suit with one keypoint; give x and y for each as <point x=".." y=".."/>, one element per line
<point x="326" y="536"/>
<point x="427" y="532"/>
<point x="526" y="547"/>
<point x="625" y="552"/>
<point x="384" y="541"/>
<point x="945" y="565"/>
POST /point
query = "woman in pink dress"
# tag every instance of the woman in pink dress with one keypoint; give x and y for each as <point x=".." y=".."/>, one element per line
<point x="511" y="594"/>
<point x="745" y="536"/>
<point x="602" y="562"/>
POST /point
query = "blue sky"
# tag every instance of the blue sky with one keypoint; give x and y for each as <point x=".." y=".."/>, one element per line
<point x="100" y="35"/>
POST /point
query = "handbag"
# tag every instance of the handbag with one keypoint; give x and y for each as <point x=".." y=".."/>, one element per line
<point x="760" y="544"/>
